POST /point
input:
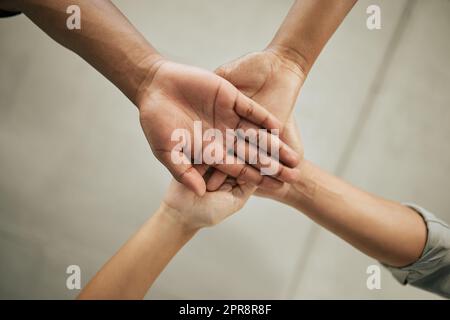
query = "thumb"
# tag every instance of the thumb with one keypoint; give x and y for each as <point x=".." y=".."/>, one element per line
<point x="222" y="71"/>
<point x="184" y="173"/>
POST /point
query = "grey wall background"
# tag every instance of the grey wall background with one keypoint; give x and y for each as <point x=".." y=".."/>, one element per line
<point x="77" y="177"/>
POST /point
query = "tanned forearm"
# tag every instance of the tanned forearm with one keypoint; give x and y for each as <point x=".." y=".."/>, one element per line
<point x="387" y="231"/>
<point x="307" y="28"/>
<point x="133" y="269"/>
<point x="106" y="40"/>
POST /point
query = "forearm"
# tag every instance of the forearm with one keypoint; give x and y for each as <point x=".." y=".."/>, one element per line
<point x="385" y="230"/>
<point x="106" y="40"/>
<point x="307" y="28"/>
<point x="133" y="269"/>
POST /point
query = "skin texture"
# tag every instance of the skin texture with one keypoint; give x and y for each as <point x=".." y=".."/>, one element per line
<point x="172" y="97"/>
<point x="133" y="269"/>
<point x="168" y="95"/>
<point x="268" y="78"/>
<point x="307" y="28"/>
<point x="274" y="76"/>
<point x="385" y="230"/>
<point x="382" y="229"/>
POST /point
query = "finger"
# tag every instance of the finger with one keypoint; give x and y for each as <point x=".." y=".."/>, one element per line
<point x="226" y="187"/>
<point x="237" y="165"/>
<point x="247" y="188"/>
<point x="216" y="180"/>
<point x="268" y="142"/>
<point x="231" y="181"/>
<point x="244" y="191"/>
<point x="201" y="168"/>
<point x="249" y="174"/>
<point x="246" y="153"/>
<point x="268" y="166"/>
<point x="253" y="112"/>
<point x="184" y="172"/>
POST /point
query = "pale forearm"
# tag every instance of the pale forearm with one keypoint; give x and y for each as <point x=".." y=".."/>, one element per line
<point x="307" y="28"/>
<point x="106" y="40"/>
<point x="131" y="272"/>
<point x="382" y="229"/>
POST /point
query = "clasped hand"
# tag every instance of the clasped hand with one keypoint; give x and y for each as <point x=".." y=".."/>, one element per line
<point x="265" y="81"/>
<point x="177" y="95"/>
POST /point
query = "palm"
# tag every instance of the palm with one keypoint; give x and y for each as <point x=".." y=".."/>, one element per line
<point x="270" y="80"/>
<point x="177" y="96"/>
<point x="174" y="101"/>
<point x="209" y="209"/>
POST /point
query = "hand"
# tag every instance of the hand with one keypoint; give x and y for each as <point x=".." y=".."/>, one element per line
<point x="174" y="96"/>
<point x="134" y="268"/>
<point x="196" y="212"/>
<point x="292" y="135"/>
<point x="270" y="79"/>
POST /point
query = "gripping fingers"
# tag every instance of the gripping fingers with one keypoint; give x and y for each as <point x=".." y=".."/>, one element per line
<point x="267" y="141"/>
<point x="265" y="164"/>
<point x="254" y="112"/>
<point x="248" y="174"/>
<point x="185" y="173"/>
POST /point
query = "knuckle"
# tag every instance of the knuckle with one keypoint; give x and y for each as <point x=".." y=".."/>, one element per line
<point x="250" y="110"/>
<point x="243" y="172"/>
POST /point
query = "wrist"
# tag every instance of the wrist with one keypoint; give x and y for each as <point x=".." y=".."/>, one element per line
<point x="177" y="219"/>
<point x="294" y="58"/>
<point x="149" y="66"/>
<point x="303" y="191"/>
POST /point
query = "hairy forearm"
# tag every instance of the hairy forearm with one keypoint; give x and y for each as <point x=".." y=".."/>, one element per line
<point x="385" y="230"/>
<point x="106" y="40"/>
<point x="133" y="269"/>
<point x="307" y="28"/>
